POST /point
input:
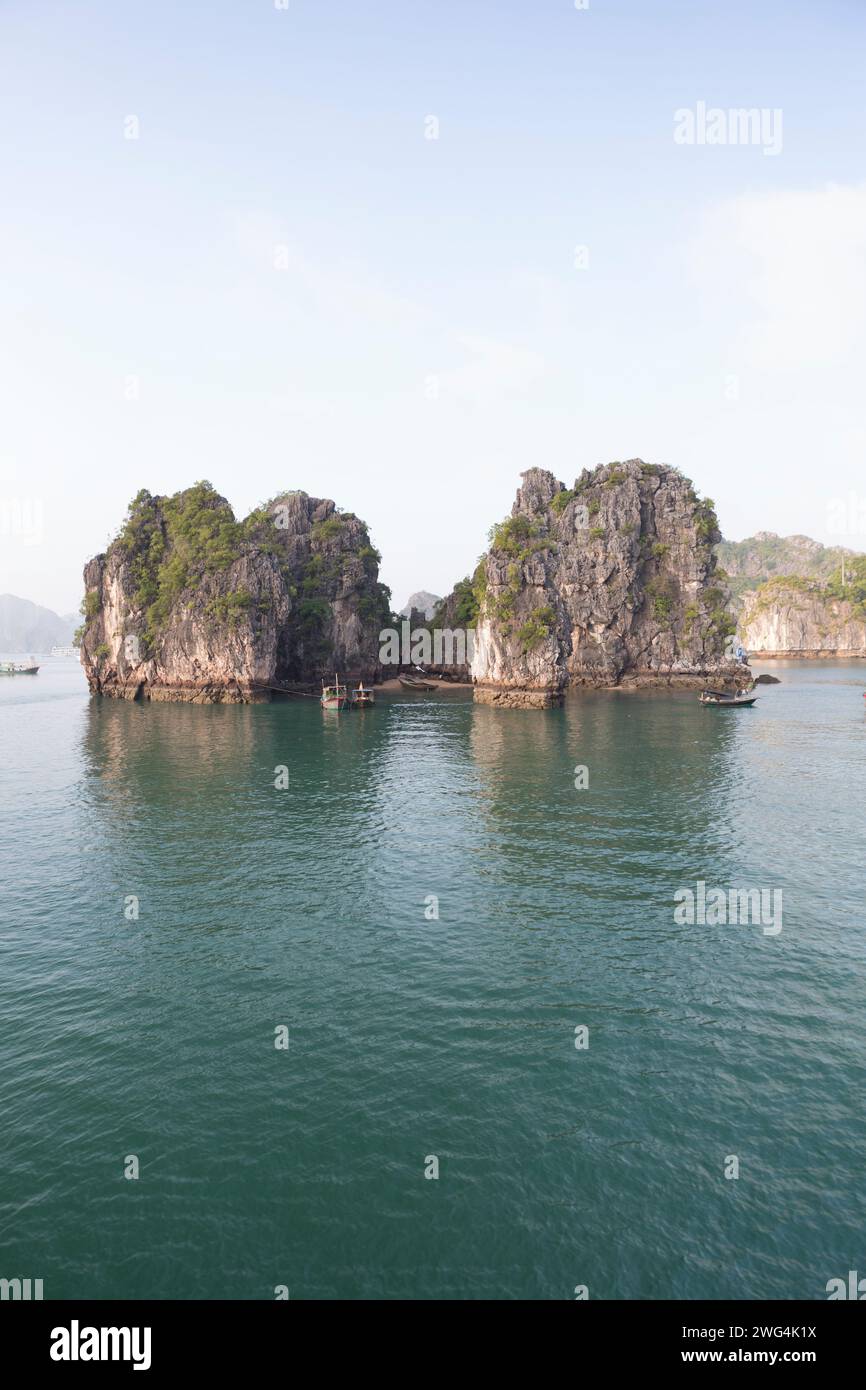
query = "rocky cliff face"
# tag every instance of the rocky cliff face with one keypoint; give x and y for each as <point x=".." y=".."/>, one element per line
<point x="189" y="604"/>
<point x="609" y="582"/>
<point x="795" y="617"/>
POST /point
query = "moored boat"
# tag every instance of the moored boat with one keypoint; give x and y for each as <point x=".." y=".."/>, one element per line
<point x="723" y="700"/>
<point x="362" y="698"/>
<point x="415" y="683"/>
<point x="334" y="696"/>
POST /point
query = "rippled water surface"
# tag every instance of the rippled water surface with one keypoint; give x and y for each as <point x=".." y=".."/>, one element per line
<point x="412" y="1037"/>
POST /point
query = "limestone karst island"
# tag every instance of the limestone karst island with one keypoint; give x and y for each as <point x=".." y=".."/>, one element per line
<point x="614" y="581"/>
<point x="434" y="837"/>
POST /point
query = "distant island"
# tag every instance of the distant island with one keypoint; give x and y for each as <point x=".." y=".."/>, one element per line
<point x="422" y="603"/>
<point x="27" y="627"/>
<point x="793" y="597"/>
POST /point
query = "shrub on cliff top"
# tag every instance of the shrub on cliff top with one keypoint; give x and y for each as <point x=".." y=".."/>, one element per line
<point x="706" y="521"/>
<point x="327" y="529"/>
<point x="169" y="541"/>
<point x="512" y="534"/>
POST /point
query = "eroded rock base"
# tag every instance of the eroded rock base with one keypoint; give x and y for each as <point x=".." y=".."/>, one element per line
<point x="511" y="698"/>
<point x="206" y="693"/>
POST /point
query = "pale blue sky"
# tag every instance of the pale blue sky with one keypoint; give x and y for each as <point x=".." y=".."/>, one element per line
<point x="430" y="335"/>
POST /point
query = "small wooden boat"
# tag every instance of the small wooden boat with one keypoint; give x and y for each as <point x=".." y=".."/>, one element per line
<point x="362" y="698"/>
<point x="334" y="696"/>
<point x="18" y="668"/>
<point x="415" y="683"/>
<point x="723" y="700"/>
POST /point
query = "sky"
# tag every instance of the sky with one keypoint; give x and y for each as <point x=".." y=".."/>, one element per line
<point x="395" y="253"/>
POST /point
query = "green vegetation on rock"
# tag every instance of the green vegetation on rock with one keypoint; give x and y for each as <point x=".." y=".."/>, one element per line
<point x="785" y="588"/>
<point x="753" y="562"/>
<point x="661" y="593"/>
<point x="171" y="541"/>
<point x="706" y="521"/>
<point x="230" y="608"/>
<point x="327" y="529"/>
<point x="518" y="536"/>
<point x="536" y="628"/>
<point x="460" y="608"/>
<point x="560" y="500"/>
<point x="170" y="545"/>
<point x="853" y="590"/>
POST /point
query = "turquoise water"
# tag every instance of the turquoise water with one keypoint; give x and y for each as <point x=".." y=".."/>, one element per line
<point x="412" y="1037"/>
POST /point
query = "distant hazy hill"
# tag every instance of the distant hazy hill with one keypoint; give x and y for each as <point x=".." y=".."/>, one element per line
<point x="25" y="627"/>
<point x="423" y="602"/>
<point x="765" y="555"/>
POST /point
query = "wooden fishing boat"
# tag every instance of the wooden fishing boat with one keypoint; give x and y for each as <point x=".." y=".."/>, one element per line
<point x="415" y="683"/>
<point x="362" y="698"/>
<point x="18" y="668"/>
<point x="722" y="700"/>
<point x="334" y="696"/>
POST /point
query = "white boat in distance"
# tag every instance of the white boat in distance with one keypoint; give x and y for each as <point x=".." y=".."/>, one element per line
<point x="18" y="668"/>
